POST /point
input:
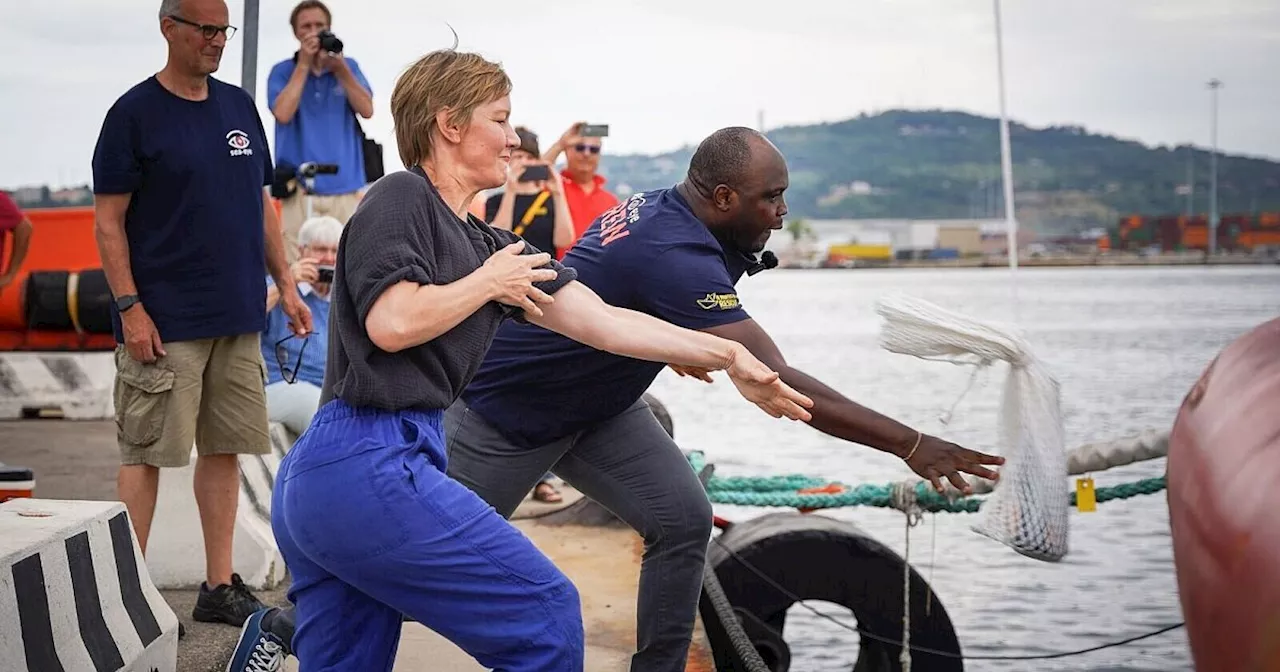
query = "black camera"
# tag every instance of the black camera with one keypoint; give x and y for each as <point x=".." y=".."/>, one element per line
<point x="329" y="42"/>
<point x="324" y="273"/>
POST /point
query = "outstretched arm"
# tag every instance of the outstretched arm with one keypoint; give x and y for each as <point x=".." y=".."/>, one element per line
<point x="837" y="415"/>
<point x="577" y="312"/>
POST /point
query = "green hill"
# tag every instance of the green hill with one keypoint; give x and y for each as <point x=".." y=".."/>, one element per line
<point x="941" y="164"/>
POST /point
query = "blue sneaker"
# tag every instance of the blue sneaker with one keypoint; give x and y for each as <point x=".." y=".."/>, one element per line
<point x="258" y="650"/>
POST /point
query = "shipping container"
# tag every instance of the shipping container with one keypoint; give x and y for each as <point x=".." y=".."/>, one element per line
<point x="877" y="252"/>
<point x="944" y="253"/>
<point x="966" y="239"/>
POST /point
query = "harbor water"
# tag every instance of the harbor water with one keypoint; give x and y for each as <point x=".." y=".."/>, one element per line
<point x="1125" y="344"/>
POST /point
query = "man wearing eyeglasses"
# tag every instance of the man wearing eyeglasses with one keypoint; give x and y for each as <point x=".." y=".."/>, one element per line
<point x="315" y="96"/>
<point x="183" y="226"/>
<point x="295" y="366"/>
<point x="583" y="185"/>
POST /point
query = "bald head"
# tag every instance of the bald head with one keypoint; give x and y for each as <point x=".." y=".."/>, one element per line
<point x="739" y="177"/>
<point x="724" y="157"/>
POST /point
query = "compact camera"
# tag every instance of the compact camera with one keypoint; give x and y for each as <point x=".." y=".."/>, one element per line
<point x="324" y="273"/>
<point x="329" y="42"/>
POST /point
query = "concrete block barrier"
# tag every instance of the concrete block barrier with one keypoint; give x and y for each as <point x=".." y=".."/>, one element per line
<point x="175" y="552"/>
<point x="75" y="386"/>
<point x="75" y="593"/>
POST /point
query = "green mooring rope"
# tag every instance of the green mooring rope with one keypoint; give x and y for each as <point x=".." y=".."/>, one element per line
<point x="781" y="491"/>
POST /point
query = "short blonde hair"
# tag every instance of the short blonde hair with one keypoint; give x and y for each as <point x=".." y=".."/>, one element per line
<point x="443" y="79"/>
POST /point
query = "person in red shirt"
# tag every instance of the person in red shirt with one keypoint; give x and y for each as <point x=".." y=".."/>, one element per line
<point x="583" y="186"/>
<point x="13" y="221"/>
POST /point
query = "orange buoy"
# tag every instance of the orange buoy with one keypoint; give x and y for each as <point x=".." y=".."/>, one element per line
<point x="1223" y="466"/>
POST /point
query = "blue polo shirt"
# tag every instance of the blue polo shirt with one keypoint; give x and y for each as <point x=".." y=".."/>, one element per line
<point x="323" y="129"/>
<point x="195" y="171"/>
<point x="648" y="253"/>
<point x="311" y="367"/>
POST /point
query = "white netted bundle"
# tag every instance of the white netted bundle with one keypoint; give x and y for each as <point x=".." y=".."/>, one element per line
<point x="1028" y="510"/>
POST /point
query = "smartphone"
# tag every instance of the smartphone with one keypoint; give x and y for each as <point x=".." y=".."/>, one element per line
<point x="535" y="173"/>
<point x="324" y="273"/>
<point x="595" y="131"/>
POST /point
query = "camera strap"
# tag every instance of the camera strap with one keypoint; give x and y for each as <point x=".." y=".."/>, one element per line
<point x="534" y="210"/>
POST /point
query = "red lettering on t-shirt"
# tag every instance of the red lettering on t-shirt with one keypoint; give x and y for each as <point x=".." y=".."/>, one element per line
<point x="613" y="224"/>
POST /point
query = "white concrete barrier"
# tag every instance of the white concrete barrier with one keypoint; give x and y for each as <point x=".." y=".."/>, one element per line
<point x="175" y="551"/>
<point x="75" y="594"/>
<point x="76" y="386"/>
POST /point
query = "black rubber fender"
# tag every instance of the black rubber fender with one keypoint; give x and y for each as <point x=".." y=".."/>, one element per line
<point x="94" y="302"/>
<point x="47" y="305"/>
<point x="46" y="301"/>
<point x="814" y="557"/>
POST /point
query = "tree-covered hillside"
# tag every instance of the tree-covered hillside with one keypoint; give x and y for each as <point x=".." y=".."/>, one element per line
<point x="940" y="164"/>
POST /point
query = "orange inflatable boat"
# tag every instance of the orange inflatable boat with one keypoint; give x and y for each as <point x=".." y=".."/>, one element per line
<point x="59" y="298"/>
<point x="1224" y="507"/>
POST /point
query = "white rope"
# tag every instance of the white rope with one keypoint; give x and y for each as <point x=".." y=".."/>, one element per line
<point x="903" y="498"/>
<point x="1026" y="511"/>
<point x="1093" y="457"/>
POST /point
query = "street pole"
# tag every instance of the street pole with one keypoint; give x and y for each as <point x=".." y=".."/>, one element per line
<point x="249" y="64"/>
<point x="1214" y="85"/>
<point x="1006" y="160"/>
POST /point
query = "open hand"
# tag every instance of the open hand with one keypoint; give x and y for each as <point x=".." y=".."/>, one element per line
<point x="936" y="459"/>
<point x="763" y="387"/>
<point x="513" y="275"/>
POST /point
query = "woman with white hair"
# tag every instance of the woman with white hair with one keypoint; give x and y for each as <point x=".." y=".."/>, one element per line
<point x="369" y="523"/>
<point x="295" y="366"/>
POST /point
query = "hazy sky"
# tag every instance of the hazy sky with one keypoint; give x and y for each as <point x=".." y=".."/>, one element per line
<point x="664" y="73"/>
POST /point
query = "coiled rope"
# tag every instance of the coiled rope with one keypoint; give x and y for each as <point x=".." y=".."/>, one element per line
<point x="810" y="493"/>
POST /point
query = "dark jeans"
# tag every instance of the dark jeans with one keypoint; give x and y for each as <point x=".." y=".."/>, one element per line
<point x="629" y="465"/>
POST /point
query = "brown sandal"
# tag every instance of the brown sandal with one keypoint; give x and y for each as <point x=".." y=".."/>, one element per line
<point x="545" y="492"/>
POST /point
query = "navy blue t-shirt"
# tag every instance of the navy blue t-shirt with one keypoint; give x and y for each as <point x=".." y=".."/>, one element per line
<point x="650" y="254"/>
<point x="196" y="171"/>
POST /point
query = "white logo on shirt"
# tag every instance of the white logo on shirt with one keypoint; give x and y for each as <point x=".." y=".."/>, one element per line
<point x="238" y="140"/>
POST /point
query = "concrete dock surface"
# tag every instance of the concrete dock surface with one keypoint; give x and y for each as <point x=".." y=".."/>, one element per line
<point x="78" y="460"/>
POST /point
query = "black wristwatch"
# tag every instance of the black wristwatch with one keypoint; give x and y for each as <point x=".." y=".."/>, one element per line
<point x="126" y="302"/>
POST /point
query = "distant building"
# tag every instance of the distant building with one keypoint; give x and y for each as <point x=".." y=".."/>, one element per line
<point x="906" y="238"/>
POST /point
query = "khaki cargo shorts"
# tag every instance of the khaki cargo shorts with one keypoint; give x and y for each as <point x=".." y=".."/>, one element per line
<point x="208" y="392"/>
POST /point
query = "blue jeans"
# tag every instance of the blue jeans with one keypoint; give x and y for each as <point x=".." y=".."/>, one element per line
<point x="371" y="528"/>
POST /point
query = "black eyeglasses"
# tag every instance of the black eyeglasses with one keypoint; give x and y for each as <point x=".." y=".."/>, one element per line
<point x="594" y="149"/>
<point x="208" y="31"/>
<point x="282" y="358"/>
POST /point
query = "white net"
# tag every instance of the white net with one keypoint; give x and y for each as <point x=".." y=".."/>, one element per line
<point x="1028" y="510"/>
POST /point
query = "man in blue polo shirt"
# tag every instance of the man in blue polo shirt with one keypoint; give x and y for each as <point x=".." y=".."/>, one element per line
<point x="541" y="401"/>
<point x="315" y="96"/>
<point x="184" y="227"/>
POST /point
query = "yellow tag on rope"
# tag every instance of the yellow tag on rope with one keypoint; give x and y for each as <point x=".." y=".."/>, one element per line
<point x="1086" y="500"/>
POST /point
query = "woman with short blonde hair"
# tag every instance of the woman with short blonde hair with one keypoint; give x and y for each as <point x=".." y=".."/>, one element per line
<point x="366" y="518"/>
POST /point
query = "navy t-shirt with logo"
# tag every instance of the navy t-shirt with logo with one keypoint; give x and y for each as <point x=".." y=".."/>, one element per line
<point x="650" y="254"/>
<point x="196" y="172"/>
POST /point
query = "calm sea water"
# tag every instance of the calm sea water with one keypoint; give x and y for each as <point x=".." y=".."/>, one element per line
<point x="1126" y="345"/>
